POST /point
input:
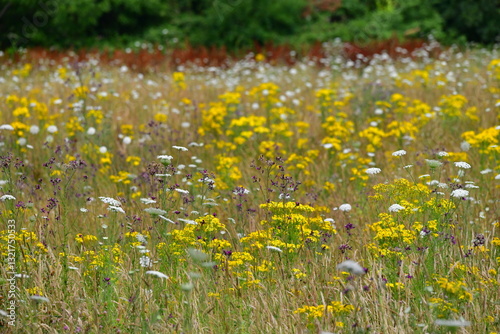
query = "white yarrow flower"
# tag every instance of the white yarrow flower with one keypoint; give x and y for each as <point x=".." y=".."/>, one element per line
<point x="443" y="154"/>
<point x="351" y="267"/>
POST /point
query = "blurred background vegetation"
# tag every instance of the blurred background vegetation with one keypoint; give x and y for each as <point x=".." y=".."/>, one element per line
<point x="241" y="24"/>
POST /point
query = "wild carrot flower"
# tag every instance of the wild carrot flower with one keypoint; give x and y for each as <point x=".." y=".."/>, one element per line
<point x="396" y="208"/>
<point x="7" y="197"/>
<point x="156" y="273"/>
<point x="459" y="193"/>
<point x="373" y="171"/>
<point x="399" y="153"/>
<point x="351" y="267"/>
<point x="110" y="201"/>
<point x="345" y="207"/>
<point x="462" y="164"/>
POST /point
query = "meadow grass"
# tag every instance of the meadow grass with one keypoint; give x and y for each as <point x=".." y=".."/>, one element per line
<point x="356" y="197"/>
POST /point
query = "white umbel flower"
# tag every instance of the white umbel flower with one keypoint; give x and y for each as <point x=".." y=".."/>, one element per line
<point x="145" y="261"/>
<point x="373" y="171"/>
<point x="52" y="129"/>
<point x="180" y="148"/>
<point x="157" y="274"/>
<point x="7" y="197"/>
<point x="274" y="248"/>
<point x="462" y="164"/>
<point x="116" y="209"/>
<point x="396" y="208"/>
<point x="110" y="201"/>
<point x="452" y="323"/>
<point x="459" y="193"/>
<point x="6" y="127"/>
<point x="155" y="211"/>
<point x="399" y="153"/>
<point x="345" y="207"/>
<point x="351" y="267"/>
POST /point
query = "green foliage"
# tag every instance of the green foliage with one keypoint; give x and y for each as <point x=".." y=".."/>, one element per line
<point x="240" y="23"/>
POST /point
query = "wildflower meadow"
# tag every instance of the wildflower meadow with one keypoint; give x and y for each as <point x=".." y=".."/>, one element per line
<point x="327" y="196"/>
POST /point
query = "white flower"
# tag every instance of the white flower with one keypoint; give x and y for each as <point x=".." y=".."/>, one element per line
<point x="433" y="163"/>
<point x="462" y="164"/>
<point x="157" y="274"/>
<point x="127" y="140"/>
<point x="83" y="210"/>
<point x="34" y="129"/>
<point x="91" y="131"/>
<point x="165" y="159"/>
<point x="486" y="171"/>
<point x="6" y="127"/>
<point x="408" y="166"/>
<point x="116" y="209"/>
<point x="465" y="146"/>
<point x="459" y="193"/>
<point x="180" y="148"/>
<point x="452" y="323"/>
<point x="345" y="207"/>
<point x="396" y="208"/>
<point x="39" y="298"/>
<point x="7" y="197"/>
<point x="22" y="141"/>
<point x="351" y="267"/>
<point x="103" y="149"/>
<point x="145" y="261"/>
<point x="3" y="313"/>
<point x="110" y="201"/>
<point x="443" y="154"/>
<point x="373" y="171"/>
<point x="182" y="191"/>
<point x="274" y="248"/>
<point x="52" y="129"/>
<point x="155" y="211"/>
<point x="497" y="177"/>
<point x="147" y="201"/>
<point x="399" y="153"/>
